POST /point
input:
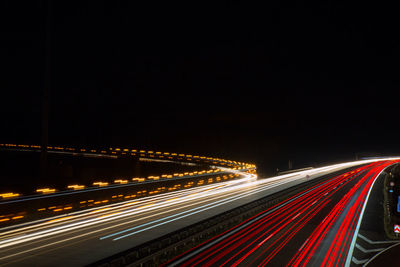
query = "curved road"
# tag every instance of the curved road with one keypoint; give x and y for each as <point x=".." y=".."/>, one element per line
<point x="84" y="237"/>
<point x="313" y="228"/>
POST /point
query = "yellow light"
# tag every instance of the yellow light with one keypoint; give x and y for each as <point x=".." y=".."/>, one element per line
<point x="45" y="190"/>
<point x="100" y="183"/>
<point x="8" y="195"/>
<point x="60" y="219"/>
<point x="120" y="181"/>
<point x="76" y="187"/>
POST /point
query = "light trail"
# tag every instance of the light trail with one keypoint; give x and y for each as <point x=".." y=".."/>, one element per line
<point x="142" y="201"/>
<point x="334" y="255"/>
<point x="179" y="194"/>
<point x="232" y="196"/>
<point x="274" y="183"/>
<point x="334" y="206"/>
<point x="115" y="209"/>
<point x="353" y="241"/>
<point x="95" y="188"/>
<point x="266" y="216"/>
<point x="120" y="223"/>
<point x="112" y="207"/>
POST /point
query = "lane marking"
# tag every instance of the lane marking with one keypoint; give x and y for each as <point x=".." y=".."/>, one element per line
<point x="368" y="250"/>
<point x="376" y="242"/>
<point x="358" y="262"/>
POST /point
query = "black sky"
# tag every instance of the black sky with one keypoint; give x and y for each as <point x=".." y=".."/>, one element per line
<point x="262" y="82"/>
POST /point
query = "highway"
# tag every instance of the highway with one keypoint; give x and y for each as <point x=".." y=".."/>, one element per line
<point x="316" y="227"/>
<point x="81" y="238"/>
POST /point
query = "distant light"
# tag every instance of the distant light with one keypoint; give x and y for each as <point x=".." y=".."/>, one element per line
<point x="120" y="181"/>
<point x="100" y="183"/>
<point x="76" y="187"/>
<point x="8" y="195"/>
<point x="45" y="190"/>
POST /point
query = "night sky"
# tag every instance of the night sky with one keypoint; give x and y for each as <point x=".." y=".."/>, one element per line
<point x="313" y="82"/>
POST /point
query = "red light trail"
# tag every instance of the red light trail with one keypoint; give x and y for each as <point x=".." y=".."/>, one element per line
<point x="315" y="226"/>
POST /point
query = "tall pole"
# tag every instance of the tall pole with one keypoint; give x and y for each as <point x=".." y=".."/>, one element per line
<point x="47" y="84"/>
